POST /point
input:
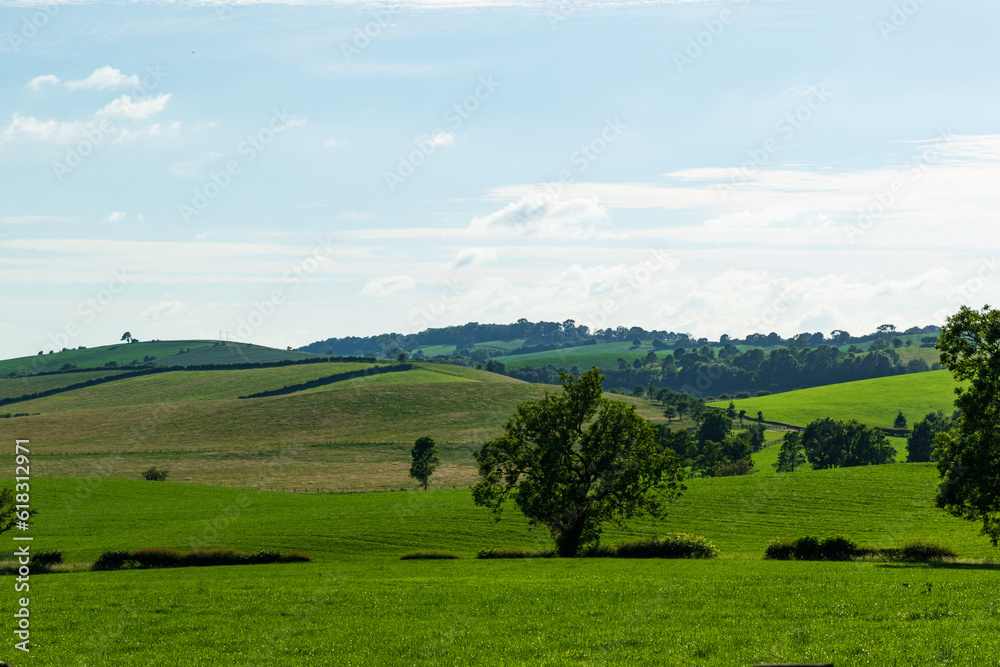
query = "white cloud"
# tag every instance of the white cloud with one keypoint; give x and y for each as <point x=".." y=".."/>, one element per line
<point x="29" y="128"/>
<point x="473" y="257"/>
<point x="540" y="215"/>
<point x="125" y="107"/>
<point x="103" y="78"/>
<point x="436" y="140"/>
<point x="39" y="81"/>
<point x="117" y="216"/>
<point x="334" y="143"/>
<point x="387" y="285"/>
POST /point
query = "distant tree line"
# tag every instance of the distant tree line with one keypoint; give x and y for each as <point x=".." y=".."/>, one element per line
<point x="708" y="371"/>
<point x="544" y="336"/>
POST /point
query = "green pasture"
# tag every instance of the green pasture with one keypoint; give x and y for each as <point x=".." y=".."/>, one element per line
<point x="875" y="402"/>
<point x="358" y="604"/>
<point x="93" y="357"/>
<point x="19" y="386"/>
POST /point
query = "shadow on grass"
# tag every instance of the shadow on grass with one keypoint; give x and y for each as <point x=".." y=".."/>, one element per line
<point x="943" y="566"/>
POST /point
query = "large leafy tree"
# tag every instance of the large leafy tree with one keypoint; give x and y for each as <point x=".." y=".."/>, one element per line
<point x="575" y="460"/>
<point x="837" y="444"/>
<point x="424" y="460"/>
<point x="969" y="456"/>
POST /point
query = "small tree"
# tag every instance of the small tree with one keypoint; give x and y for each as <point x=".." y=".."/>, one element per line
<point x="760" y="416"/>
<point x="425" y="460"/>
<point x="670" y="412"/>
<point x="791" y="454"/>
<point x="900" y="421"/>
<point x="127" y="337"/>
<point x="731" y="411"/>
<point x="920" y="444"/>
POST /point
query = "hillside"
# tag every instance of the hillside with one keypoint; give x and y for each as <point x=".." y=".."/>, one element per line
<point x="875" y="402"/>
<point x="164" y="353"/>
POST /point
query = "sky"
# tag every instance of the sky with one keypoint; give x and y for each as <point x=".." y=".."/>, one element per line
<point x="285" y="172"/>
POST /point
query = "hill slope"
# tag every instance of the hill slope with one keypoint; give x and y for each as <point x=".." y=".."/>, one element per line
<point x="875" y="402"/>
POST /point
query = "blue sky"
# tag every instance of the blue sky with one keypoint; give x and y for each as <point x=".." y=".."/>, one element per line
<point x="293" y="171"/>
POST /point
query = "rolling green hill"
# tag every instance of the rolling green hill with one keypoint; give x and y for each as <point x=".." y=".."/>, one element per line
<point x="164" y="353"/>
<point x="875" y="402"/>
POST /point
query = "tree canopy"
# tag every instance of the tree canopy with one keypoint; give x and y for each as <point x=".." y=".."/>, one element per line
<point x="424" y="460"/>
<point x="575" y="460"/>
<point x="837" y="444"/>
<point x="969" y="456"/>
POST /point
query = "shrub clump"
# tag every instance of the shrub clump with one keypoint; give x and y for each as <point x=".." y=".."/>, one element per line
<point x="154" y="474"/>
<point x="836" y="548"/>
<point x="161" y="557"/>
<point x="46" y="559"/>
<point x="925" y="551"/>
<point x="678" y="545"/>
<point x="514" y="552"/>
<point x="429" y="554"/>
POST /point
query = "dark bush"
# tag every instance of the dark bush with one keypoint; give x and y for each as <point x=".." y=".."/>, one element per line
<point x="925" y="551"/>
<point x="46" y="559"/>
<point x="153" y="474"/>
<point x="763" y="392"/>
<point x="678" y="545"/>
<point x="838" y="548"/>
<point x="779" y="549"/>
<point x="430" y="554"/>
<point x="157" y="557"/>
<point x="514" y="552"/>
<point x="112" y="560"/>
<point x="160" y="557"/>
<point x="735" y="468"/>
<point x="811" y="548"/>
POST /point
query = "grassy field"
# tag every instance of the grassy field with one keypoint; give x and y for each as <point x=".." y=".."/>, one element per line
<point x="166" y="353"/>
<point x="874" y="402"/>
<point x="13" y="387"/>
<point x="358" y="604"/>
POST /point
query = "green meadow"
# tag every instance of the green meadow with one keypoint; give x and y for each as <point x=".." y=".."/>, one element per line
<point x="324" y="471"/>
<point x="875" y="402"/>
<point x="357" y="603"/>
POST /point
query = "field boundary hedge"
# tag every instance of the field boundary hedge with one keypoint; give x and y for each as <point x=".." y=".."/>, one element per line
<point x="330" y="379"/>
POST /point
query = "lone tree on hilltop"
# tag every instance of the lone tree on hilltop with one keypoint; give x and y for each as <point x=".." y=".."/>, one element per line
<point x="575" y="460"/>
<point x="425" y="459"/>
<point x="127" y="337"/>
<point x="969" y="456"/>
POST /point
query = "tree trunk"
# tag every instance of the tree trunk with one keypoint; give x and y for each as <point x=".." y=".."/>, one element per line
<point x="568" y="542"/>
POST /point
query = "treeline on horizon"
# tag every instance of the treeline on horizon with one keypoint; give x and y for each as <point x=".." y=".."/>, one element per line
<point x="678" y="361"/>
<point x="702" y="372"/>
<point x="544" y="336"/>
